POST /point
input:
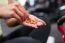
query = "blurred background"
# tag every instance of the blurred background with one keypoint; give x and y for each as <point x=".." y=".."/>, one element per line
<point x="50" y="7"/>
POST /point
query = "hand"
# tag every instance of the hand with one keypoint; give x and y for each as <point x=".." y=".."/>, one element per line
<point x="13" y="13"/>
<point x="5" y="12"/>
<point x="22" y="10"/>
<point x="34" y="22"/>
<point x="20" y="14"/>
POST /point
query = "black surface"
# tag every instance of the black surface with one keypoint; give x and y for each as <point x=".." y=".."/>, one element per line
<point x="54" y="32"/>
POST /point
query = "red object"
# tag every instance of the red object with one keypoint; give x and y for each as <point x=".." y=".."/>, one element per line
<point x="61" y="28"/>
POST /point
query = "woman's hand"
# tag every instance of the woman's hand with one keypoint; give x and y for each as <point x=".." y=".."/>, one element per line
<point x="17" y="13"/>
<point x="34" y="22"/>
<point x="5" y="12"/>
<point x="25" y="17"/>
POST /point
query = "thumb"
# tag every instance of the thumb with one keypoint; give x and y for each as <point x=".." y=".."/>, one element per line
<point x="11" y="22"/>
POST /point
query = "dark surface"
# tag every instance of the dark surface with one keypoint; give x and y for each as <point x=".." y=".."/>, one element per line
<point x="23" y="40"/>
<point x="54" y="32"/>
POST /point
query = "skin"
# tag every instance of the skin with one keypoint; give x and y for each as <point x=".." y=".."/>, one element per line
<point x="17" y="13"/>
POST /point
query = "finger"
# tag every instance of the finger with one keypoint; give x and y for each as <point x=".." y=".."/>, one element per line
<point x="39" y="24"/>
<point x="30" y="25"/>
<point x="5" y="12"/>
<point x="20" y="14"/>
<point x="13" y="8"/>
<point x="11" y="22"/>
<point x="17" y="17"/>
<point x="43" y="22"/>
<point x="23" y="16"/>
<point x="21" y="8"/>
